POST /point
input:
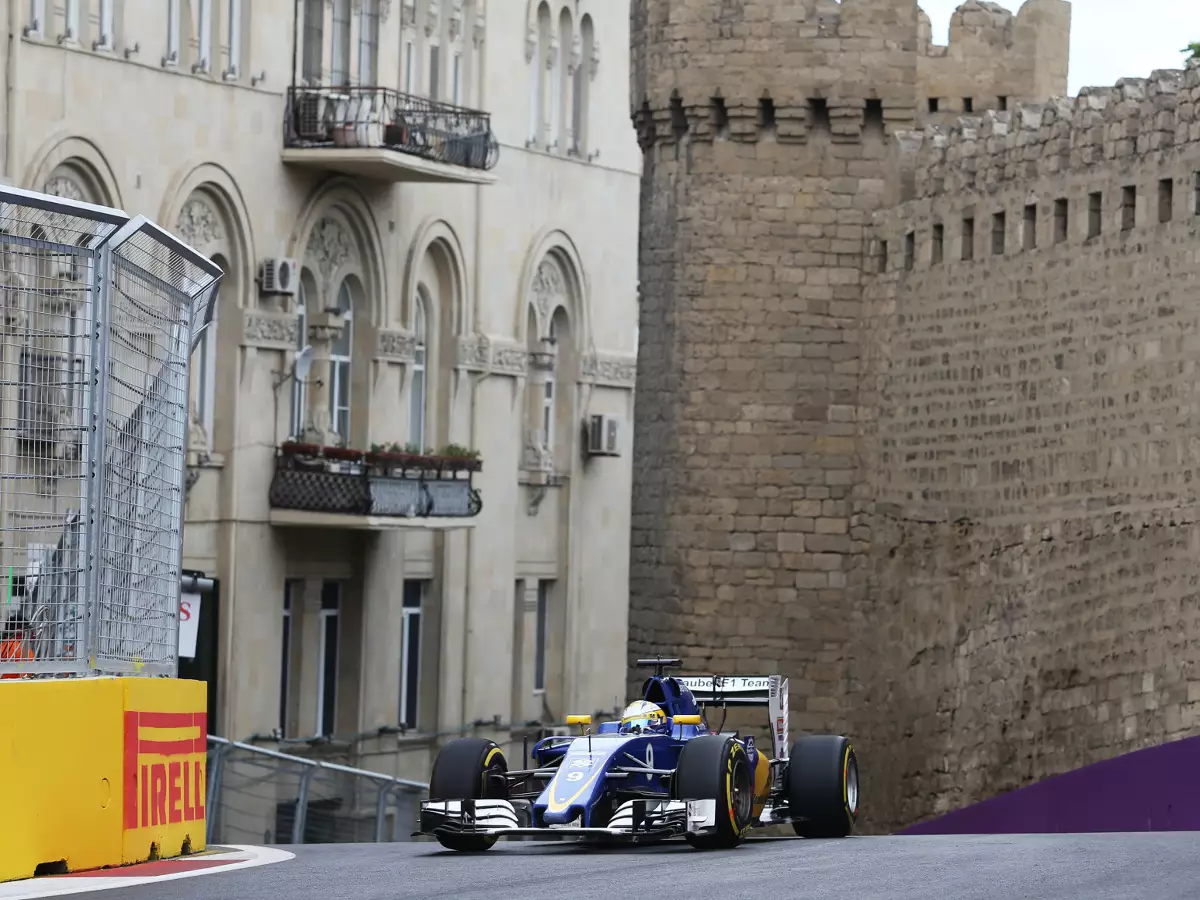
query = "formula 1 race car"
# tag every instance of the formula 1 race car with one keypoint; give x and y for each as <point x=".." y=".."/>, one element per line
<point x="659" y="773"/>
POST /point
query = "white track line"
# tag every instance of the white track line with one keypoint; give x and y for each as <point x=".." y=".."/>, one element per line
<point x="244" y="857"/>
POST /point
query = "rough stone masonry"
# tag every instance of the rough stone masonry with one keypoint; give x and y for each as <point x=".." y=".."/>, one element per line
<point x="915" y="410"/>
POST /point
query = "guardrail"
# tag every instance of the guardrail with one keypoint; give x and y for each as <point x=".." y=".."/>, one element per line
<point x="375" y="117"/>
<point x="256" y="795"/>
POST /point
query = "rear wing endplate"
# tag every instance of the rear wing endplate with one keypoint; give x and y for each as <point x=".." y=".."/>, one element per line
<point x="770" y="691"/>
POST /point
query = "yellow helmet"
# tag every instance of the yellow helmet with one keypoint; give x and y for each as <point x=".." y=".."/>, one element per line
<point x="643" y="715"/>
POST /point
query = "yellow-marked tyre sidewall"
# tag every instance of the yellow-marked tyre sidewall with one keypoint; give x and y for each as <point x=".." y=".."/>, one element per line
<point x="847" y="755"/>
<point x="735" y="750"/>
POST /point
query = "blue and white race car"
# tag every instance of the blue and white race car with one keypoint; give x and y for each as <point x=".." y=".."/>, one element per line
<point x="659" y="773"/>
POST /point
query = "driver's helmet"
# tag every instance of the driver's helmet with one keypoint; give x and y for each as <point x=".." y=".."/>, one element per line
<point x="643" y="715"/>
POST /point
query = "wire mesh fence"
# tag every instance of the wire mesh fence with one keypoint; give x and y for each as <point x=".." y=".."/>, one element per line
<point x="262" y="796"/>
<point x="98" y="315"/>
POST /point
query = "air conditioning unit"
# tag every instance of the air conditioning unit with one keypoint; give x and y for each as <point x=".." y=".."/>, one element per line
<point x="602" y="433"/>
<point x="280" y="275"/>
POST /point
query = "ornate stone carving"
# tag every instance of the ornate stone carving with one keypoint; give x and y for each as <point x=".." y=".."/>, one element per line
<point x="531" y="41"/>
<point x="65" y="186"/>
<point x="198" y="223"/>
<point x="474" y="352"/>
<point x="329" y="246"/>
<point x="576" y="55"/>
<point x="549" y="287"/>
<point x="408" y="13"/>
<point x="535" y="457"/>
<point x="270" y="330"/>
<point x="395" y="345"/>
<point x="613" y="371"/>
<point x="552" y="51"/>
<point x="433" y="18"/>
<point x="594" y="62"/>
<point x="456" y="19"/>
<point x="480" y="31"/>
<point x="509" y="359"/>
<point x="545" y="357"/>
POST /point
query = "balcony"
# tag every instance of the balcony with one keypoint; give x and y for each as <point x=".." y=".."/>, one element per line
<point x="377" y="490"/>
<point x="378" y="133"/>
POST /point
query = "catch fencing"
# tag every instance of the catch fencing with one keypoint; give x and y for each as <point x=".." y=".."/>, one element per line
<point x="260" y="796"/>
<point x="99" y="313"/>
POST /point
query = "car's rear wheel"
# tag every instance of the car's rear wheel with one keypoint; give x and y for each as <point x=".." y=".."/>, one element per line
<point x="713" y="767"/>
<point x="822" y="786"/>
<point x="469" y="769"/>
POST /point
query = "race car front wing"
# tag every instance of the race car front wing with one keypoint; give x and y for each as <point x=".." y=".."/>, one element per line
<point x="641" y="819"/>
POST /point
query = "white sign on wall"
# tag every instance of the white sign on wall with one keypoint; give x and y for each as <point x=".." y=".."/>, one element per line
<point x="189" y="624"/>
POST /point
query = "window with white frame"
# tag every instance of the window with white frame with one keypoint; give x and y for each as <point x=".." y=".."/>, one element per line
<point x="340" y="364"/>
<point x="539" y="641"/>
<point x="291" y="594"/>
<point x="410" y="65"/>
<point x="204" y="33"/>
<point x="417" y="390"/>
<point x="70" y="33"/>
<point x="36" y="27"/>
<point x="233" y="69"/>
<point x="410" y="651"/>
<point x="300" y="388"/>
<point x="339" y="62"/>
<point x="314" y="41"/>
<point x="368" y="42"/>
<point x="327" y="660"/>
<point x="105" y="25"/>
<point x="435" y="71"/>
<point x="548" y="401"/>
<point x="535" y="88"/>
<point x="171" y="58"/>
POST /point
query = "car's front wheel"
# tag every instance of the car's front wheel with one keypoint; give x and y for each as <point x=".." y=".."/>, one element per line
<point x="713" y="767"/>
<point x="469" y="769"/>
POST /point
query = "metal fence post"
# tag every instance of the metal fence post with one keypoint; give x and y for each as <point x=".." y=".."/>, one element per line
<point x="214" y="791"/>
<point x="301" y="815"/>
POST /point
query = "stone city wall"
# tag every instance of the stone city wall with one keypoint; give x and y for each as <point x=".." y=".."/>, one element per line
<point x="1032" y="454"/>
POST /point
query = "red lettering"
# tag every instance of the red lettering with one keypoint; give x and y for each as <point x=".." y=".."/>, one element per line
<point x="198" y="793"/>
<point x="188" y="813"/>
<point x="145" y="798"/>
<point x="158" y="794"/>
<point x="174" y="795"/>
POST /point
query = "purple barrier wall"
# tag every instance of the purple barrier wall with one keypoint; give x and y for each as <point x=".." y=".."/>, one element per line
<point x="1155" y="789"/>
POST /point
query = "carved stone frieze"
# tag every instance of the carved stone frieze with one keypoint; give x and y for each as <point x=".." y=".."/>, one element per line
<point x="270" y="330"/>
<point x="594" y="62"/>
<point x="455" y="24"/>
<point x="509" y="359"/>
<point x="394" y="345"/>
<point x="408" y="13"/>
<point x="198" y="224"/>
<point x="433" y="17"/>
<point x="474" y="352"/>
<point x="549" y="288"/>
<point x="611" y="371"/>
<point x="329" y="246"/>
<point x="531" y="41"/>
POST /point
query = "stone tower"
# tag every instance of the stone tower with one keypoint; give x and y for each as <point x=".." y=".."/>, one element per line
<point x="765" y="126"/>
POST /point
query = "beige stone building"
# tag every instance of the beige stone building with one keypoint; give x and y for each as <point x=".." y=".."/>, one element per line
<point x="432" y="206"/>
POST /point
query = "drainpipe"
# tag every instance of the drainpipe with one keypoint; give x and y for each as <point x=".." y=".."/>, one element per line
<point x="482" y="81"/>
<point x="10" y="101"/>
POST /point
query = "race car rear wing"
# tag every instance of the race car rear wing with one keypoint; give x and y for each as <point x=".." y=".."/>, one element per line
<point x="770" y="691"/>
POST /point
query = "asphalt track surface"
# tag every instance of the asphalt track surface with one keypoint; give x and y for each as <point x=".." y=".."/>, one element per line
<point x="1139" y="866"/>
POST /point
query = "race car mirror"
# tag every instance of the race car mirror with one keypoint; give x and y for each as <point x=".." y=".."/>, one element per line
<point x="581" y="721"/>
<point x="686" y="720"/>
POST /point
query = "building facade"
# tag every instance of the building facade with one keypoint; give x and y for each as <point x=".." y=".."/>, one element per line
<point x="912" y="421"/>
<point x="409" y="466"/>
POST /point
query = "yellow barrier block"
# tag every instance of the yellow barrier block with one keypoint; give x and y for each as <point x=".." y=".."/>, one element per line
<point x="100" y="772"/>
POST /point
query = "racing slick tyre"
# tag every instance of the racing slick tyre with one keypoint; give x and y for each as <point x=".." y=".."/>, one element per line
<point x="469" y="769"/>
<point x="822" y="786"/>
<point x="714" y="767"/>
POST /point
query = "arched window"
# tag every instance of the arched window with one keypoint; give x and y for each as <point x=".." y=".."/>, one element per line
<point x="535" y="84"/>
<point x="417" y="392"/>
<point x="299" y="388"/>
<point x="561" y="100"/>
<point x="548" y="388"/>
<point x="204" y="365"/>
<point x="339" y="364"/>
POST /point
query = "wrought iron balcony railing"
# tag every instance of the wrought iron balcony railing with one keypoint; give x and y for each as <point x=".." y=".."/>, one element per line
<point x="375" y="117"/>
<point x="358" y="483"/>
